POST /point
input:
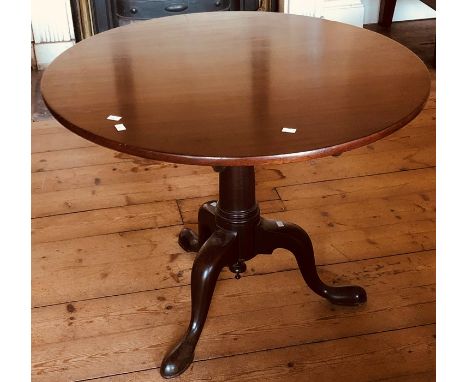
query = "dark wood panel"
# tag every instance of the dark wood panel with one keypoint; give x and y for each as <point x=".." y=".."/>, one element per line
<point x="430" y="3"/>
<point x="387" y="8"/>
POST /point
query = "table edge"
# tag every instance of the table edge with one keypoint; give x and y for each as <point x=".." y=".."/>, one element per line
<point x="239" y="161"/>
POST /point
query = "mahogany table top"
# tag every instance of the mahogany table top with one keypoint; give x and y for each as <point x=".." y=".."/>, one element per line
<point x="219" y="88"/>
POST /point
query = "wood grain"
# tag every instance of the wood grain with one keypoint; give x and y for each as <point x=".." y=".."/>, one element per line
<point x="112" y="303"/>
<point x="97" y="266"/>
<point x="61" y="140"/>
<point x="135" y="181"/>
<point x="131" y="332"/>
<point x="118" y="219"/>
<point x="354" y="220"/>
<point x="51" y="136"/>
<point x="387" y="187"/>
<point x="406" y="355"/>
<point x="183" y="113"/>
<point x="91" y="155"/>
<point x="77" y="258"/>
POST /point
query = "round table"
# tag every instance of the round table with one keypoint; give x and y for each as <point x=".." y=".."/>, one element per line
<point x="233" y="90"/>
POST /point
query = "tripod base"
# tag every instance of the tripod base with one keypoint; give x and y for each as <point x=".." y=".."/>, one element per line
<point x="231" y="232"/>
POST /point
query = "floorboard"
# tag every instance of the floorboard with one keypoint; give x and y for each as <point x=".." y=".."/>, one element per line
<point x="131" y="332"/>
<point x="405" y="355"/>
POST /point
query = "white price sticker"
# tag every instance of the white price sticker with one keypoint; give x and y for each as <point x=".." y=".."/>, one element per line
<point x="288" y="130"/>
<point x="114" y="118"/>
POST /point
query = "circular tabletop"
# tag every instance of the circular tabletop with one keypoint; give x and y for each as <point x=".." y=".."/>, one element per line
<point x="236" y="88"/>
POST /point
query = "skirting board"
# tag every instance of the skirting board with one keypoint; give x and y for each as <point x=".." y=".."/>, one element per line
<point x="345" y="11"/>
<point x="47" y="52"/>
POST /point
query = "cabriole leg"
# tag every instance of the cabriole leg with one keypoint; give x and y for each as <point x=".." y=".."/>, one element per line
<point x="216" y="253"/>
<point x="271" y="235"/>
<point x="188" y="239"/>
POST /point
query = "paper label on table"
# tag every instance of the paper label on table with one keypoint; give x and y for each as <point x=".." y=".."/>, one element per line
<point x="214" y="204"/>
<point x="288" y="130"/>
<point x="279" y="223"/>
<point x="120" y="127"/>
<point x="114" y="118"/>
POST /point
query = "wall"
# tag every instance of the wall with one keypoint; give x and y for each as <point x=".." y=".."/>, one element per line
<point x="52" y="25"/>
<point x="52" y="29"/>
<point x="356" y="12"/>
<point x="404" y="10"/>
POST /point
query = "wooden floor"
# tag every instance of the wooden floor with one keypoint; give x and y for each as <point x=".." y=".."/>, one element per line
<point x="110" y="286"/>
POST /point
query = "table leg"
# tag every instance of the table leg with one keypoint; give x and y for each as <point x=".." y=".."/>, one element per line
<point x="232" y="232"/>
<point x="189" y="240"/>
<point x="216" y="253"/>
<point x="272" y="234"/>
<point x="387" y="8"/>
